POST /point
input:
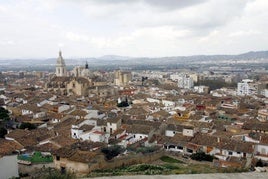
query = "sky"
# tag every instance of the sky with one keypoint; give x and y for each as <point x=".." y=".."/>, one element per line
<point x="135" y="28"/>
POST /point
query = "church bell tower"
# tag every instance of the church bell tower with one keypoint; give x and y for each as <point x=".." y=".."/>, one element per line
<point x="60" y="66"/>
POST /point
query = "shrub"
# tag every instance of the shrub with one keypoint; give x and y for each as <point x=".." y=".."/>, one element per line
<point x="146" y="150"/>
<point x="113" y="151"/>
<point x="3" y="132"/>
<point x="26" y="125"/>
<point x="259" y="163"/>
<point x="123" y="104"/>
<point x="170" y="160"/>
<point x="201" y="156"/>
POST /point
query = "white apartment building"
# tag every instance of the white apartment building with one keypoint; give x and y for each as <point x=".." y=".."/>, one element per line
<point x="185" y="81"/>
<point x="245" y="88"/>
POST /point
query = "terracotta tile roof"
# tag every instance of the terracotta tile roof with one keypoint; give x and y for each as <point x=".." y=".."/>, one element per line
<point x="179" y="139"/>
<point x="159" y="139"/>
<point x="28" y="140"/>
<point x="65" y="152"/>
<point x="256" y="126"/>
<point x="86" y="127"/>
<point x="47" y="147"/>
<point x="7" y="147"/>
<point x="238" y="146"/>
<point x="18" y="133"/>
<point x="87" y="145"/>
<point x="83" y="156"/>
<point x="64" y="140"/>
<point x="139" y="129"/>
<point x="114" y="119"/>
<point x="154" y="124"/>
<point x="79" y="112"/>
<point x="174" y="127"/>
<point x="136" y="111"/>
<point x="161" y="113"/>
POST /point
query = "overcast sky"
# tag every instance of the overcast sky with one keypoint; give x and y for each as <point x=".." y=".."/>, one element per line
<point x="152" y="28"/>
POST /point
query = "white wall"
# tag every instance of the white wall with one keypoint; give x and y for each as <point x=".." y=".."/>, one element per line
<point x="261" y="149"/>
<point x="26" y="112"/>
<point x="188" y="132"/>
<point x="151" y="100"/>
<point x="9" y="167"/>
<point x="112" y="126"/>
<point x="138" y="136"/>
<point x="170" y="133"/>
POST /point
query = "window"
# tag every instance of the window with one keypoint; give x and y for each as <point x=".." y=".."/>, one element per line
<point x="180" y="147"/>
<point x="238" y="152"/>
<point x="57" y="157"/>
<point x="172" y="146"/>
<point x="141" y="137"/>
<point x="189" y="150"/>
<point x="230" y="153"/>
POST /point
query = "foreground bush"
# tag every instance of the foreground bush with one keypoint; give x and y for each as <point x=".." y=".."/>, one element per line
<point x="201" y="156"/>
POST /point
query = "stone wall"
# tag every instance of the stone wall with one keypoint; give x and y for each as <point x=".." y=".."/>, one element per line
<point x="127" y="160"/>
<point x="24" y="169"/>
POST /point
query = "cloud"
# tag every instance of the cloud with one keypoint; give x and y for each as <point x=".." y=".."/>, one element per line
<point x="244" y="33"/>
<point x="7" y="42"/>
<point x="132" y="27"/>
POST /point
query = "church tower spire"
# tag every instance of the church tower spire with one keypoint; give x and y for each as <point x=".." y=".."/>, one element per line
<point x="60" y="66"/>
<point x="86" y="66"/>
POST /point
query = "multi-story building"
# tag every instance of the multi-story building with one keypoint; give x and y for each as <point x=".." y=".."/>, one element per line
<point x="185" y="81"/>
<point x="122" y="78"/>
<point x="245" y="88"/>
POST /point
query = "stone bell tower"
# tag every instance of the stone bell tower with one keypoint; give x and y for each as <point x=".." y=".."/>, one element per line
<point x="60" y="66"/>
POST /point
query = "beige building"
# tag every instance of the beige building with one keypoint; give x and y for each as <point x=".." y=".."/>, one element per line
<point x="122" y="78"/>
<point x="79" y="86"/>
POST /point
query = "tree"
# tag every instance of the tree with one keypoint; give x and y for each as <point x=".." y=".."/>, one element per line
<point x="201" y="156"/>
<point x="26" y="125"/>
<point x="3" y="132"/>
<point x="113" y="151"/>
<point x="123" y="104"/>
<point x="4" y="114"/>
<point x="259" y="163"/>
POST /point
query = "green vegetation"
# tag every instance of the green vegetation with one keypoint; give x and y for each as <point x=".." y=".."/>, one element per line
<point x="3" y="132"/>
<point x="168" y="159"/>
<point x="139" y="169"/>
<point x="215" y="84"/>
<point x="166" y="166"/>
<point x="4" y="114"/>
<point x="113" y="151"/>
<point x="259" y="163"/>
<point x="4" y="118"/>
<point x="37" y="157"/>
<point x="149" y="169"/>
<point x="26" y="125"/>
<point x="143" y="150"/>
<point x="48" y="173"/>
<point x="201" y="156"/>
<point x="123" y="104"/>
